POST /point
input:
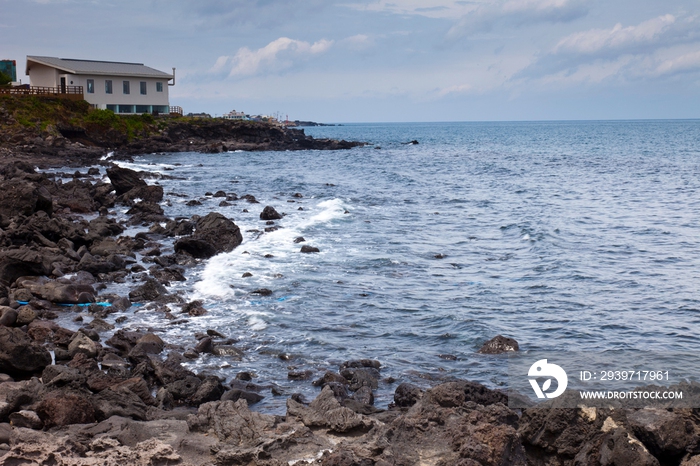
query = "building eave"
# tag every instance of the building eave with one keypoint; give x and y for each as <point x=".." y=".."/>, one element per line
<point x="156" y="74"/>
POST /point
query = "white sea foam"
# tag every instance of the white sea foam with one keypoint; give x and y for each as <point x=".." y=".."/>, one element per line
<point x="331" y="209"/>
<point x="225" y="270"/>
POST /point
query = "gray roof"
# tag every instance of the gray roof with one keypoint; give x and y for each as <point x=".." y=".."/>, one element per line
<point x="95" y="67"/>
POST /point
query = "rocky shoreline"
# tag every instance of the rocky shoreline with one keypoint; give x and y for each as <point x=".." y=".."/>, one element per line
<point x="43" y="130"/>
<point x="111" y="396"/>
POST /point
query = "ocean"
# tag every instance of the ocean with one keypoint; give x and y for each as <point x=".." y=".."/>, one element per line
<point x="567" y="236"/>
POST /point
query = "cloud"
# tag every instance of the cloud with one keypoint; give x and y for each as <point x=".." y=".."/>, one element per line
<point x="278" y="54"/>
<point x="618" y="37"/>
<point x="358" y="42"/>
<point x="679" y="64"/>
<point x="517" y="13"/>
<point x="252" y="12"/>
<point x="659" y="47"/>
<point x="458" y="89"/>
<point x="428" y="8"/>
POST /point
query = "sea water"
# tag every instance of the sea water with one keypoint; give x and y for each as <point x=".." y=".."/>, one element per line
<point x="567" y="236"/>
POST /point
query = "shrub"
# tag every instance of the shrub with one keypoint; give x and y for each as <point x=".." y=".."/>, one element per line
<point x="5" y="79"/>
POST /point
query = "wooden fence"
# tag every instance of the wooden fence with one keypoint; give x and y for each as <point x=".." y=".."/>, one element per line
<point x="68" y="92"/>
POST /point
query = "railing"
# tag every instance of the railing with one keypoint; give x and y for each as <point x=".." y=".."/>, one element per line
<point x="176" y="111"/>
<point x="72" y="91"/>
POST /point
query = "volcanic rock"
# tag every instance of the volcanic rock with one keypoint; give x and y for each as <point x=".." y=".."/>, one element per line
<point x="269" y="213"/>
<point x="19" y="354"/>
<point x="124" y="179"/>
<point x="214" y="234"/>
<point x="498" y="345"/>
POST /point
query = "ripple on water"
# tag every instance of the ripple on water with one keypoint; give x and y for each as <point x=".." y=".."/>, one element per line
<point x="572" y="235"/>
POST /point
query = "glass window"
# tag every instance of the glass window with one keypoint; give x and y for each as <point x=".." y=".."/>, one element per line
<point x="112" y="107"/>
<point x="126" y="109"/>
<point x="159" y="87"/>
<point x="143" y="109"/>
<point x="143" y="87"/>
<point x="159" y="109"/>
<point x="108" y="86"/>
<point x="127" y="89"/>
<point x="90" y="86"/>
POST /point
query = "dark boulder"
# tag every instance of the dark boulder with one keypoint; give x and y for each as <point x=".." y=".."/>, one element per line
<point x="147" y="194"/>
<point x="309" y="249"/>
<point x="108" y="246"/>
<point x="8" y="316"/>
<point x="330" y="377"/>
<point x="151" y="290"/>
<point x="102" y="227"/>
<point x="499" y="345"/>
<point x="167" y="274"/>
<point x="358" y="363"/>
<point x="407" y="394"/>
<point x="196" y="247"/>
<point x="124" y="180"/>
<point x="269" y="213"/>
<point x="64" y="409"/>
<point x="147" y="344"/>
<point x="119" y="401"/>
<point x="124" y="340"/>
<point x="326" y="411"/>
<point x="19" y="354"/>
<point x="21" y="197"/>
<point x="15" y="263"/>
<point x="453" y="394"/>
<point x="619" y="447"/>
<point x="209" y="390"/>
<point x="363" y="395"/>
<point x="194" y="308"/>
<point x="184" y="388"/>
<point x="214" y="234"/>
<point x="361" y="377"/>
<point x="96" y="266"/>
<point x="238" y="394"/>
<point x="146" y="212"/>
<point x="57" y="292"/>
<point x="27" y="419"/>
<point x="667" y="434"/>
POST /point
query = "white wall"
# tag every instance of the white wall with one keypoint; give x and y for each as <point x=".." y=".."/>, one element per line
<point x="102" y="99"/>
<point x="40" y="75"/>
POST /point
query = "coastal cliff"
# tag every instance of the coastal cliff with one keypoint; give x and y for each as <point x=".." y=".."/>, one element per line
<point x="74" y="132"/>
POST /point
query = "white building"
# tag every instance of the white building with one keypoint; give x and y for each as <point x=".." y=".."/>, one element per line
<point x="124" y="88"/>
<point x="234" y="115"/>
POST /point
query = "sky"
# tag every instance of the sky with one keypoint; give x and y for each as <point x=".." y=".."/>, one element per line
<point x="387" y="61"/>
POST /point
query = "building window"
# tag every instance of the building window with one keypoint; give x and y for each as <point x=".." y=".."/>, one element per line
<point x="108" y="86"/>
<point x="127" y="89"/>
<point x="112" y="107"/>
<point x="90" y="86"/>
<point x="143" y="87"/>
<point x="143" y="109"/>
<point x="126" y="108"/>
<point x="159" y="87"/>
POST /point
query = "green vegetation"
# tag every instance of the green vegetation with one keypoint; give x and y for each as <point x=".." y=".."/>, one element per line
<point x="5" y="79"/>
<point x="24" y="117"/>
<point x="50" y="115"/>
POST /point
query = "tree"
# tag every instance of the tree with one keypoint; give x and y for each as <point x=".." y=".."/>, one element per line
<point x="5" y="79"/>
